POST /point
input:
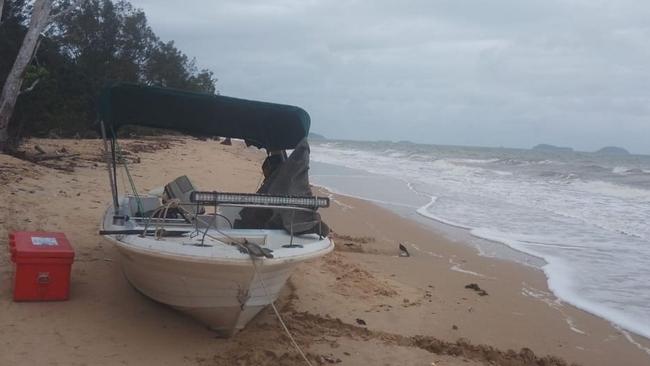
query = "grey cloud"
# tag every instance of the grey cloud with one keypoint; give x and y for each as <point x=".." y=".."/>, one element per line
<point x="498" y="73"/>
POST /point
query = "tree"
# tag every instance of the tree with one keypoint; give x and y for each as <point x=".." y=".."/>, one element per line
<point x="82" y="50"/>
<point x="14" y="81"/>
<point x="204" y="82"/>
<point x="167" y="66"/>
<point x="11" y="88"/>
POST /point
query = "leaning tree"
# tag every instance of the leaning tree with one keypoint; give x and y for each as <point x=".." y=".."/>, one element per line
<point x="41" y="16"/>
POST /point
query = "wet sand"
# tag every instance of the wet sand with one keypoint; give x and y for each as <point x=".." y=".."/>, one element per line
<point x="363" y="304"/>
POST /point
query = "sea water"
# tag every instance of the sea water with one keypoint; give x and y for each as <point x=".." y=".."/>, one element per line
<point x="586" y="215"/>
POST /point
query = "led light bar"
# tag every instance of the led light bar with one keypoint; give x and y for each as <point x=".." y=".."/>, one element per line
<point x="216" y="198"/>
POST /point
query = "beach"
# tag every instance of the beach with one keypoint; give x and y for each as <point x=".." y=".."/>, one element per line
<point x="362" y="304"/>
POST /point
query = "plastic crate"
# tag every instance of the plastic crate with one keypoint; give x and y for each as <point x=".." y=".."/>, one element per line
<point x="42" y="265"/>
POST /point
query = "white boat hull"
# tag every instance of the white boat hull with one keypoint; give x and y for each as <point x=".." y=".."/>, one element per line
<point x="225" y="297"/>
<point x="218" y="285"/>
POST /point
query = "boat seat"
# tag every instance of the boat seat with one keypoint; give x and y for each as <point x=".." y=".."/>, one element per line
<point x="181" y="188"/>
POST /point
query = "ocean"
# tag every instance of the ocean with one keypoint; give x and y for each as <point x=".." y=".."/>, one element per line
<point x="583" y="218"/>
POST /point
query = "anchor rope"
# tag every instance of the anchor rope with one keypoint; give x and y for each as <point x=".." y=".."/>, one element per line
<point x="266" y="291"/>
<point x="277" y="314"/>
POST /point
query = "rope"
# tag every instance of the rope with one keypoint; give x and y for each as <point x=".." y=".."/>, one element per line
<point x="214" y="219"/>
<point x="160" y="221"/>
<point x="277" y="314"/>
<point x="266" y="292"/>
<point x="123" y="181"/>
<point x="128" y="174"/>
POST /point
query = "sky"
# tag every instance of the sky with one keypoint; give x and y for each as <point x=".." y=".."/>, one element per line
<point x="509" y="73"/>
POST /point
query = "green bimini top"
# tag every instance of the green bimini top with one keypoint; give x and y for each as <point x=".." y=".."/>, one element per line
<point x="265" y="125"/>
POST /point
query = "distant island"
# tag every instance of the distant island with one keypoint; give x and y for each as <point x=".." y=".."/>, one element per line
<point x="613" y="150"/>
<point x="315" y="136"/>
<point x="553" y="148"/>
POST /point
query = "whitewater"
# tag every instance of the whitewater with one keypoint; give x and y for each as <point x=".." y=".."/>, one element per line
<point x="586" y="215"/>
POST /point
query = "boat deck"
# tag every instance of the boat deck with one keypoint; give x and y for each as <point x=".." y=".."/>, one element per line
<point x="215" y="243"/>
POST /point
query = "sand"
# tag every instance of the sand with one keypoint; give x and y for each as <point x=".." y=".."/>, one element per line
<point x="363" y="304"/>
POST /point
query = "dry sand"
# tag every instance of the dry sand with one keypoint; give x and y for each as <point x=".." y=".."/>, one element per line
<point x="413" y="311"/>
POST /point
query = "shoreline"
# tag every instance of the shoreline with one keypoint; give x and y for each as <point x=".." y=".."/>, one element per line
<point x="544" y="294"/>
<point x="361" y="304"/>
<point x="451" y="231"/>
<point x="491" y="245"/>
<point x="525" y="259"/>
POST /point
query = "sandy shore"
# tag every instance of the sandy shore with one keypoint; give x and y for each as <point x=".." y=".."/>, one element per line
<point x="413" y="311"/>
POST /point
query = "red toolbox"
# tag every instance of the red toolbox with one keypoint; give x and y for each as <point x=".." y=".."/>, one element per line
<point x="43" y="261"/>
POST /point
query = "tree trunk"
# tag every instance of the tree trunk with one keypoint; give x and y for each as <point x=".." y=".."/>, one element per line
<point x="11" y="88"/>
<point x="2" y="3"/>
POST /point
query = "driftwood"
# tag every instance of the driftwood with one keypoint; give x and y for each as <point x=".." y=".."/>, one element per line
<point x="39" y="149"/>
<point x="51" y="157"/>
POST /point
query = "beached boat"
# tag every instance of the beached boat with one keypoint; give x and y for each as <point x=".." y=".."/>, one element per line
<point x="220" y="257"/>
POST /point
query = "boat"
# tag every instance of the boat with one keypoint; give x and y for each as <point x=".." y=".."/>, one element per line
<point x="220" y="257"/>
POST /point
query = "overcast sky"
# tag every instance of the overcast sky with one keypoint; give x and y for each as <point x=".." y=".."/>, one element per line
<point x="511" y="73"/>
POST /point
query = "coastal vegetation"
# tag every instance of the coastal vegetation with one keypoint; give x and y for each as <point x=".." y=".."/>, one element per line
<point x="87" y="45"/>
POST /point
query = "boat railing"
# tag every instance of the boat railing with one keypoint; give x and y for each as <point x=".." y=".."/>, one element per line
<point x="159" y="221"/>
<point x="293" y="209"/>
<point x="260" y="200"/>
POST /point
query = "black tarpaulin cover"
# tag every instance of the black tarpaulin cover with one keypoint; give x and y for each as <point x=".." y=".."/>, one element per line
<point x="290" y="178"/>
<point x="265" y="125"/>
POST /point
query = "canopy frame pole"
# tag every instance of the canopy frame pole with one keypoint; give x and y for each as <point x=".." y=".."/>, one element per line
<point x="110" y="166"/>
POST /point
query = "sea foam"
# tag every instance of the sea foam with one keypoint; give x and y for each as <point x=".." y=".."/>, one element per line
<point x="586" y="218"/>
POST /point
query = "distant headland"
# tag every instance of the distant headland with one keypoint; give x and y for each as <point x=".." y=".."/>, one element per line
<point x="613" y="150"/>
<point x="607" y="150"/>
<point x="553" y="148"/>
<point x="315" y="136"/>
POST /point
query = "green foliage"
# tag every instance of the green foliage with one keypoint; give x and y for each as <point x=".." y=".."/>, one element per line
<point x="34" y="73"/>
<point x="11" y="34"/>
<point x="101" y="42"/>
<point x="204" y="81"/>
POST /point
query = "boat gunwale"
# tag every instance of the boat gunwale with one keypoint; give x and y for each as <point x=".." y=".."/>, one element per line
<point x="220" y="260"/>
<point x="244" y="261"/>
